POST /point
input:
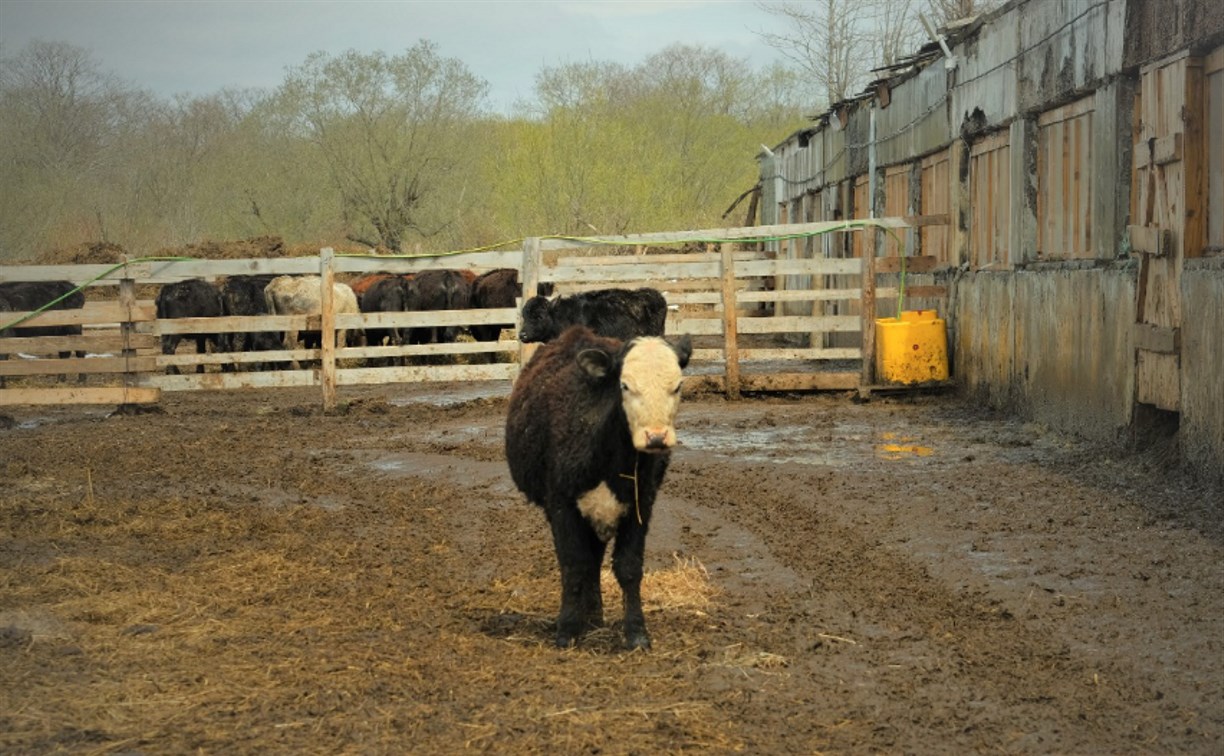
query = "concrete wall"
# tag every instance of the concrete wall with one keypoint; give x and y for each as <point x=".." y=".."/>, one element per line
<point x="1155" y="28"/>
<point x="1202" y="356"/>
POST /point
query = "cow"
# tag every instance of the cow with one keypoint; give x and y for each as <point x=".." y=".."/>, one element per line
<point x="299" y="295"/>
<point x="616" y="313"/>
<point x="27" y="296"/>
<point x="589" y="430"/>
<point x="389" y="294"/>
<point x="496" y="289"/>
<point x="193" y="298"/>
<point x="439" y="289"/>
<point x="244" y="296"/>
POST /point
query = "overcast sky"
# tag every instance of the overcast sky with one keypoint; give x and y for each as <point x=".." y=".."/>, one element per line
<point x="198" y="47"/>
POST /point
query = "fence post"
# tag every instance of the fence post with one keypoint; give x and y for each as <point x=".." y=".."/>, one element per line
<point x="327" y="328"/>
<point x="868" y="307"/>
<point x="530" y="279"/>
<point x="730" y="323"/>
<point x="127" y="303"/>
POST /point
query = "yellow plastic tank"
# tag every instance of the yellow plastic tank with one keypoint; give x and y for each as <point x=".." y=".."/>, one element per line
<point x="912" y="348"/>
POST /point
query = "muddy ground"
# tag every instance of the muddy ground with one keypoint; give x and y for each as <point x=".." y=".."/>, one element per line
<point x="243" y="573"/>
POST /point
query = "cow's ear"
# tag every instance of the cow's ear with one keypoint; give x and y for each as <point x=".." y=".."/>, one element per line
<point x="684" y="349"/>
<point x="595" y="362"/>
<point x="535" y="306"/>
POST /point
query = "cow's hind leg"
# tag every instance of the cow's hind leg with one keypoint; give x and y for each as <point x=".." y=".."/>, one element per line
<point x="579" y="555"/>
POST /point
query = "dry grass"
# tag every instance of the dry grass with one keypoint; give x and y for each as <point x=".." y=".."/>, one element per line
<point x="176" y="627"/>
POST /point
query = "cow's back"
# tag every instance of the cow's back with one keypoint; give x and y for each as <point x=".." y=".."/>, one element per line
<point x="625" y="314"/>
<point x="27" y="296"/>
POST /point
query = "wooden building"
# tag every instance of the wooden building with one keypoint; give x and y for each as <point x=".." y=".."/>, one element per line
<point x="1079" y="149"/>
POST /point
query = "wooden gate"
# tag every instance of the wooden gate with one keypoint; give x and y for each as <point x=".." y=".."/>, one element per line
<point x="1168" y="216"/>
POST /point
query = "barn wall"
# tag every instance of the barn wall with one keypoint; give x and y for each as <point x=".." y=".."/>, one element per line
<point x="1051" y="344"/>
<point x="1044" y="321"/>
<point x="1202" y="354"/>
<point x="1155" y="28"/>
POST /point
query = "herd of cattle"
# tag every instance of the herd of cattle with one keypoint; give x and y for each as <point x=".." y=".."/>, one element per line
<point x="617" y="313"/>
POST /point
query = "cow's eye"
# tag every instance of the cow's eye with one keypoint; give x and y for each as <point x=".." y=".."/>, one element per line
<point x="624" y="386"/>
<point x="679" y="386"/>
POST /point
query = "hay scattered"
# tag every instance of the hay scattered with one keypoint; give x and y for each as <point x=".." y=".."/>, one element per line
<point x="178" y="625"/>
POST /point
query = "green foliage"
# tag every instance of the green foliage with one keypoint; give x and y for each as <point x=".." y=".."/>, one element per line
<point x="387" y="150"/>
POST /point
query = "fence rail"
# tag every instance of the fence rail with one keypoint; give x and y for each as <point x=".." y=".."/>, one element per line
<point x="747" y="335"/>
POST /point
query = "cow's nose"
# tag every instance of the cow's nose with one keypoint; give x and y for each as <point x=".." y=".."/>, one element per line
<point x="656" y="439"/>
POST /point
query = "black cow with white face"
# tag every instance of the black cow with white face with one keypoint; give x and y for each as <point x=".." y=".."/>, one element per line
<point x="589" y="432"/>
<point x="616" y="313"/>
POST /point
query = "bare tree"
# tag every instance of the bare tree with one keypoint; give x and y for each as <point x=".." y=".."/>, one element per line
<point x="896" y="30"/>
<point x="828" y="40"/>
<point x="59" y="107"/>
<point x="838" y="42"/>
<point x="945" y="11"/>
<point x="392" y="133"/>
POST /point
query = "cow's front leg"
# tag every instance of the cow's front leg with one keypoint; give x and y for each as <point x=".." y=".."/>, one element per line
<point x="579" y="560"/>
<point x="591" y="596"/>
<point x="627" y="561"/>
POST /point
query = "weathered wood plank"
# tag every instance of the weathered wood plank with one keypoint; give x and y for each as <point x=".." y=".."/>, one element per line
<point x="237" y="323"/>
<point x="811" y="266"/>
<point x="418" y="319"/>
<point x="714" y="234"/>
<point x="78" y="366"/>
<point x="754" y="297"/>
<point x="475" y="261"/>
<point x="327" y="320"/>
<point x="92" y="395"/>
<point x="1150" y="240"/>
<point x="729" y="323"/>
<point x="771" y="355"/>
<point x="94" y="343"/>
<point x="774" y="382"/>
<point x="1154" y="338"/>
<point x="235" y="358"/>
<point x="743" y="269"/>
<point x="867" y="313"/>
<point x="93" y="313"/>
<point x="1162" y="151"/>
<point x="418" y="350"/>
<point x="695" y="326"/>
<point x="912" y="292"/>
<point x="220" y="381"/>
<point x="659" y="259"/>
<point x="915" y="264"/>
<point x="428" y="373"/>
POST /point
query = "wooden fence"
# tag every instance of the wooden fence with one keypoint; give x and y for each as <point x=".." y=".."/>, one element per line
<point x="726" y="295"/>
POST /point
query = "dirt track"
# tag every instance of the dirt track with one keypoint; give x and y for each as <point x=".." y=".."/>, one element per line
<point x="243" y="573"/>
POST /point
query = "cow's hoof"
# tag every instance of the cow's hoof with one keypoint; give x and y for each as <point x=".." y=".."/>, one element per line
<point x="634" y="641"/>
<point x="566" y="640"/>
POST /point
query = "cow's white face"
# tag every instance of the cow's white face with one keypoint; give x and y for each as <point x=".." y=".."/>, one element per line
<point x="650" y="391"/>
